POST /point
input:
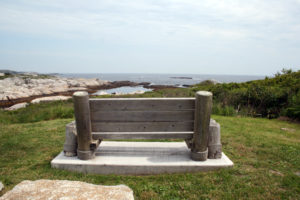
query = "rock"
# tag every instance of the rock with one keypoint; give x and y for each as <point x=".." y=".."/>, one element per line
<point x="288" y="129"/>
<point x="276" y="172"/>
<point x="16" y="89"/>
<point x="158" y="87"/>
<point x="1" y="186"/>
<point x="137" y="92"/>
<point x="52" y="98"/>
<point x="17" y="106"/>
<point x="101" y="93"/>
<point x="209" y="82"/>
<point x="2" y="74"/>
<point x="63" y="189"/>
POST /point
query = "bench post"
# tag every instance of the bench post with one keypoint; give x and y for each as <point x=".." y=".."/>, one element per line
<point x="83" y="125"/>
<point x="203" y="106"/>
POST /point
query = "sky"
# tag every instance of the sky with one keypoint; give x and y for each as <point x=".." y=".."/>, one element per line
<point x="253" y="37"/>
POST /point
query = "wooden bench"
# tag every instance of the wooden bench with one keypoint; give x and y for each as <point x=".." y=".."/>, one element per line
<point x="143" y="118"/>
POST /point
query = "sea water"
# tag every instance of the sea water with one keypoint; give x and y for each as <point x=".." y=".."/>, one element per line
<point x="123" y="90"/>
<point x="160" y="79"/>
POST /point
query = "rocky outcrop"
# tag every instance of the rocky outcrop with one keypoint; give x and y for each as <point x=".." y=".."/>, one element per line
<point x="116" y="84"/>
<point x="52" y="98"/>
<point x="33" y="88"/>
<point x="158" y="87"/>
<point x="62" y="189"/>
<point x="19" y="89"/>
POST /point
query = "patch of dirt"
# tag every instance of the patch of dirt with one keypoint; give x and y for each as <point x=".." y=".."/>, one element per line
<point x="149" y="195"/>
<point x="288" y="129"/>
<point x="276" y="173"/>
<point x="287" y="119"/>
<point x="297" y="173"/>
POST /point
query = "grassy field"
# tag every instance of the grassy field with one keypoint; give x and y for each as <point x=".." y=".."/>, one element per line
<point x="266" y="154"/>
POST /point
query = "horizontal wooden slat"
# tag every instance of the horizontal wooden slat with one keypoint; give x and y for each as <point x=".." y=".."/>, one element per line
<point x="150" y="104"/>
<point x="142" y="126"/>
<point x="142" y="116"/>
<point x="142" y="135"/>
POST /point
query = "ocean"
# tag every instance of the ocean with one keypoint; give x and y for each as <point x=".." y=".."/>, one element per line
<point x="159" y="79"/>
<point x="166" y="79"/>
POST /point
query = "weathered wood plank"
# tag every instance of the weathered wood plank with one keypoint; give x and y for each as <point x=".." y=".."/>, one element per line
<point x="150" y="104"/>
<point x="142" y="135"/>
<point x="142" y="126"/>
<point x="142" y="116"/>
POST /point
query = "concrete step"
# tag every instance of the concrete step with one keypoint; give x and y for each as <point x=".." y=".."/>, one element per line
<point x="137" y="158"/>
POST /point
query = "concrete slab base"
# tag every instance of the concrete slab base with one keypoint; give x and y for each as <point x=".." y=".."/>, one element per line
<point x="137" y="158"/>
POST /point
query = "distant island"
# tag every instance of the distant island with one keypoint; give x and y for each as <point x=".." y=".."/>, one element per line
<point x="181" y="77"/>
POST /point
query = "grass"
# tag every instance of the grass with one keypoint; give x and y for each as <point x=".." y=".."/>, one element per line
<point x="38" y="112"/>
<point x="266" y="158"/>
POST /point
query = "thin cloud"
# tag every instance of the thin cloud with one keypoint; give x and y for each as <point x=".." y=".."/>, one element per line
<point x="175" y="32"/>
<point x="146" y="19"/>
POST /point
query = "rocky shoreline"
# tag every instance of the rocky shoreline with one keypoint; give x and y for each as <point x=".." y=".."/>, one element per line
<point x="20" y="88"/>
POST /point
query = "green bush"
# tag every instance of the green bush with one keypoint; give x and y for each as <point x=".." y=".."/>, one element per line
<point x="293" y="111"/>
<point x="218" y="109"/>
<point x="269" y="98"/>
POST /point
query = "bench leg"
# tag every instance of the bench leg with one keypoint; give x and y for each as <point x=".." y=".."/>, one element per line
<point x="214" y="140"/>
<point x="70" y="145"/>
<point x="203" y="106"/>
<point x="83" y="125"/>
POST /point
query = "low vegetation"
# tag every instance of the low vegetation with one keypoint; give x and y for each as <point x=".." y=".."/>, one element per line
<point x="265" y="153"/>
<point x="271" y="97"/>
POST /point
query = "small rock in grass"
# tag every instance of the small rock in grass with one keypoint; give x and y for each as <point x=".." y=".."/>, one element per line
<point x="276" y="173"/>
<point x="1" y="186"/>
<point x="51" y="98"/>
<point x="288" y="129"/>
<point x="63" y="189"/>
<point x="297" y="173"/>
<point x="17" y="106"/>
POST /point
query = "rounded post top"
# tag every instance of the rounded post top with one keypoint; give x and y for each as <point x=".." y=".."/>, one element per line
<point x="204" y="93"/>
<point x="80" y="94"/>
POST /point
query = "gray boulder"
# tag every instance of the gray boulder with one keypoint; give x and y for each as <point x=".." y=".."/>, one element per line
<point x="63" y="189"/>
<point x="17" y="106"/>
<point x="1" y="186"/>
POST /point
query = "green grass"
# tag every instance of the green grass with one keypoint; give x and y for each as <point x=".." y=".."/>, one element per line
<point x="38" y="112"/>
<point x="266" y="159"/>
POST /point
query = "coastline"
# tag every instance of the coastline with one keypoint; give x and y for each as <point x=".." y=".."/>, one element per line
<point x="19" y="88"/>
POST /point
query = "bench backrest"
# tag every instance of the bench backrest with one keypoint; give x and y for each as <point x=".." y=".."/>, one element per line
<point x="151" y="118"/>
<point x="142" y="114"/>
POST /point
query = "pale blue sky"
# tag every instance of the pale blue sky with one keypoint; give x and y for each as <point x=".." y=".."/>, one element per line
<point x="255" y="37"/>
